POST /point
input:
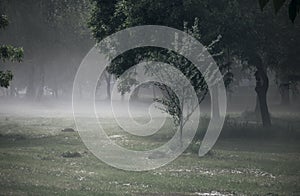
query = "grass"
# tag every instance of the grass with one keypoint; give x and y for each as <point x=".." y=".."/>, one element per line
<point x="31" y="163"/>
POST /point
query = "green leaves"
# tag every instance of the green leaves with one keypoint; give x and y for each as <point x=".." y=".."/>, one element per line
<point x="10" y="53"/>
<point x="3" y="21"/>
<point x="294" y="8"/>
<point x="5" y="78"/>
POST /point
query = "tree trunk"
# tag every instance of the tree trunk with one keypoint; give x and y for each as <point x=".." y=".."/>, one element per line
<point x="31" y="87"/>
<point x="284" y="89"/>
<point x="154" y="92"/>
<point x="55" y="91"/>
<point x="13" y="91"/>
<point x="108" y="87"/>
<point x="181" y="129"/>
<point x="262" y="85"/>
<point x="135" y="94"/>
<point x="215" y="102"/>
<point x="257" y="107"/>
<point x="295" y="94"/>
<point x="257" y="112"/>
<point x="40" y="91"/>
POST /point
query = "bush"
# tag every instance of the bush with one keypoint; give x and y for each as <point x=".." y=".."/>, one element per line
<point x="69" y="154"/>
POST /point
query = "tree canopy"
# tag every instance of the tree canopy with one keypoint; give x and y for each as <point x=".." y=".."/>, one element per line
<point x="294" y="7"/>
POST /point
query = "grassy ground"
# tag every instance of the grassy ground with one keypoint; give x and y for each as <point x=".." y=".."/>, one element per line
<point x="31" y="163"/>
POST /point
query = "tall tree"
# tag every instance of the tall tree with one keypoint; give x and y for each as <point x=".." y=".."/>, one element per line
<point x="266" y="47"/>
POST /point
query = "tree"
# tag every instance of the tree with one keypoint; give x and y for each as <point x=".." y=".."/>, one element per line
<point x="258" y="39"/>
<point x="257" y="51"/>
<point x="109" y="17"/>
<point x="294" y="7"/>
<point x="8" y="53"/>
<point x="179" y="101"/>
<point x="267" y="47"/>
<point x="55" y="37"/>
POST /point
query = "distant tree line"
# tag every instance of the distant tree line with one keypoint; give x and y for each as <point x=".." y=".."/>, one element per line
<point x="57" y="34"/>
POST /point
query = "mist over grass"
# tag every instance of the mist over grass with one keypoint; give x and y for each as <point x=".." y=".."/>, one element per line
<point x="33" y="161"/>
<point x="38" y="158"/>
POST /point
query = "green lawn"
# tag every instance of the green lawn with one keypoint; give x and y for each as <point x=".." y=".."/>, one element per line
<point x="31" y="163"/>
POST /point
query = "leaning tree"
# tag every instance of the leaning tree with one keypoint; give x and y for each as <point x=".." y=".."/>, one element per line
<point x="193" y="17"/>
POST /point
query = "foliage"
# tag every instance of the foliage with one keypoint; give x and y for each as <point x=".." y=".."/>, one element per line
<point x="5" y="78"/>
<point x="55" y="37"/>
<point x="111" y="16"/>
<point x="181" y="101"/>
<point x="294" y="7"/>
<point x="68" y="16"/>
<point x="3" y="21"/>
<point x="8" y="53"/>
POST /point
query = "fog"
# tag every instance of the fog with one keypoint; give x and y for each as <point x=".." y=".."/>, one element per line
<point x="55" y="107"/>
<point x="50" y="141"/>
<point x="53" y="50"/>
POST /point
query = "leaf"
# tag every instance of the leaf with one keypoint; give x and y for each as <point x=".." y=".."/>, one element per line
<point x="5" y="78"/>
<point x="278" y="4"/>
<point x="263" y="3"/>
<point x="3" y="21"/>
